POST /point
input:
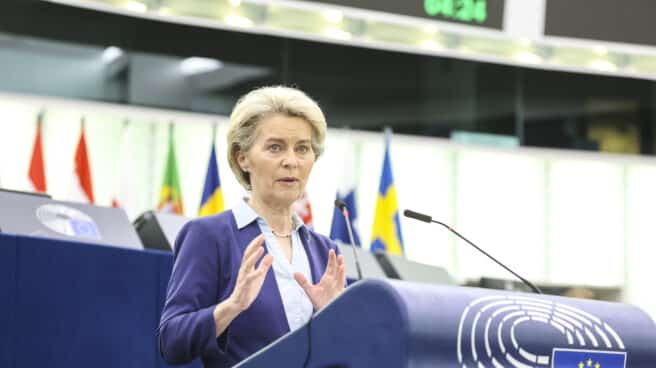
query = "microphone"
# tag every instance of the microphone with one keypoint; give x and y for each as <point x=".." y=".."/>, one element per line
<point x="426" y="218"/>
<point x="342" y="206"/>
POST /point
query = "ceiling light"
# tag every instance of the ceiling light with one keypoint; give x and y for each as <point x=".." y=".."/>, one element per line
<point x="333" y="16"/>
<point x="525" y="42"/>
<point x="164" y="10"/>
<point x="430" y="29"/>
<point x="337" y="33"/>
<point x="430" y="44"/>
<point x="528" y="57"/>
<point x="136" y="6"/>
<point x="198" y="65"/>
<point x="111" y="54"/>
<point x="604" y="65"/>
<point x="238" y="21"/>
<point x="600" y="50"/>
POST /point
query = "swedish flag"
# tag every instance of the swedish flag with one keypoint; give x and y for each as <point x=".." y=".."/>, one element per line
<point x="386" y="232"/>
<point x="212" y="201"/>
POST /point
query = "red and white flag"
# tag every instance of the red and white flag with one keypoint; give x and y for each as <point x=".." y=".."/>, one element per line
<point x="82" y="188"/>
<point x="37" y="171"/>
<point x="303" y="209"/>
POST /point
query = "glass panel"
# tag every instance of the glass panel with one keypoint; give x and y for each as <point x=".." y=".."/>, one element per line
<point x="586" y="222"/>
<point x="501" y="207"/>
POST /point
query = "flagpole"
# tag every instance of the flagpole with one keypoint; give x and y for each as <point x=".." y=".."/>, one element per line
<point x="40" y="117"/>
<point x="388" y="136"/>
<point x="39" y="125"/>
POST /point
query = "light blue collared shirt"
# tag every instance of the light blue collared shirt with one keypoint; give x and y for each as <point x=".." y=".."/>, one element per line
<point x="297" y="305"/>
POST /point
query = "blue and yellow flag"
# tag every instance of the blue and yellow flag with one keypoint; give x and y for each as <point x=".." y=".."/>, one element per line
<point x="386" y="232"/>
<point x="212" y="201"/>
<point x="565" y="358"/>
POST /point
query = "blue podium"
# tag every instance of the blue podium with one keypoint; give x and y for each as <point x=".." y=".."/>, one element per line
<point x="71" y="304"/>
<point x="379" y="323"/>
<point x="68" y="304"/>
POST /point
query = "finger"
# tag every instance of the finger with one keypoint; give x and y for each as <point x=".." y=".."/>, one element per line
<point x="341" y="278"/>
<point x="339" y="265"/>
<point x="253" y="246"/>
<point x="267" y="261"/>
<point x="302" y="281"/>
<point x="341" y="272"/>
<point x="262" y="269"/>
<point x="249" y="263"/>
<point x="331" y="266"/>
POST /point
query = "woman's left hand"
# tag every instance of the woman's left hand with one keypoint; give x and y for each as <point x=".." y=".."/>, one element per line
<point x="331" y="284"/>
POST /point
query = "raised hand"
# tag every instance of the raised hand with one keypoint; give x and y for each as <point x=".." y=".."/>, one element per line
<point x="250" y="279"/>
<point x="331" y="284"/>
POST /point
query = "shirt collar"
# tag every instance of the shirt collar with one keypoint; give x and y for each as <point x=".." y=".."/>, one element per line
<point x="245" y="214"/>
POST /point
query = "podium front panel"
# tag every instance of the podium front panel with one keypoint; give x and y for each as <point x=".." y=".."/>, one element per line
<point x="384" y="323"/>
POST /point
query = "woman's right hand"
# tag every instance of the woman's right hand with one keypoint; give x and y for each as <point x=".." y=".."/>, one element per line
<point x="250" y="279"/>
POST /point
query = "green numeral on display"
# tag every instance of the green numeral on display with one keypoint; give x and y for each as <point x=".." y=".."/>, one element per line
<point x="480" y="11"/>
<point x="448" y="8"/>
<point x="432" y="7"/>
<point x="464" y="10"/>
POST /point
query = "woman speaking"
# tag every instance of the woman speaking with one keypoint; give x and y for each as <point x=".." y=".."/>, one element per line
<point x="245" y="277"/>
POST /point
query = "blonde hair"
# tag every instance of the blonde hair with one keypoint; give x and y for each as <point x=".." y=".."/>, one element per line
<point x="261" y="103"/>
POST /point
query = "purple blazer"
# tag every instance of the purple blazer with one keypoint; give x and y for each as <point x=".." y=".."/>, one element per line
<point x="208" y="254"/>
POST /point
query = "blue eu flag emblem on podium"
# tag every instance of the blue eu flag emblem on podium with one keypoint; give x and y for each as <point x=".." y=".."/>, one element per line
<point x="569" y="358"/>
<point x="85" y="229"/>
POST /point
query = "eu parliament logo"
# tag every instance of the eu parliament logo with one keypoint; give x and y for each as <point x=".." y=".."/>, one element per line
<point x="573" y="358"/>
<point x="86" y="229"/>
<point x="523" y="331"/>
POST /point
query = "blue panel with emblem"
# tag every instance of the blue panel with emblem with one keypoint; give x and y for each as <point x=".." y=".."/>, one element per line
<point x="565" y="358"/>
<point x="380" y="323"/>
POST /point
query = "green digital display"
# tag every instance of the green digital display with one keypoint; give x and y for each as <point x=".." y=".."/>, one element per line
<point x="462" y="10"/>
<point x="479" y="13"/>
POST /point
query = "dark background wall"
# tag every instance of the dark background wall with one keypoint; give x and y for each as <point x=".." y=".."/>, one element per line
<point x="360" y="88"/>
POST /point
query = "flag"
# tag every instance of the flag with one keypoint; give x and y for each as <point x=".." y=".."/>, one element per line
<point x="37" y="171"/>
<point x="82" y="184"/>
<point x="346" y="193"/>
<point x="170" y="196"/>
<point x="124" y="183"/>
<point x="303" y="209"/>
<point x="588" y="358"/>
<point x="212" y="201"/>
<point x="386" y="232"/>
